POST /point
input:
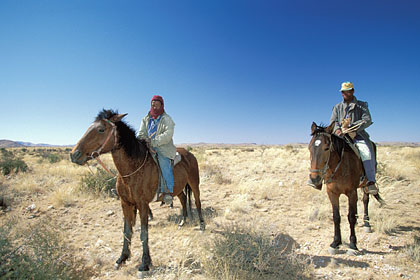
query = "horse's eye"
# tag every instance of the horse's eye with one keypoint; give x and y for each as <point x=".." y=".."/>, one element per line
<point x="101" y="130"/>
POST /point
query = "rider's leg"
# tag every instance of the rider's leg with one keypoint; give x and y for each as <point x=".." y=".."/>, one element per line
<point x="366" y="154"/>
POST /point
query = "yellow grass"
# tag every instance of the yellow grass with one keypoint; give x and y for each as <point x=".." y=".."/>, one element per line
<point x="253" y="197"/>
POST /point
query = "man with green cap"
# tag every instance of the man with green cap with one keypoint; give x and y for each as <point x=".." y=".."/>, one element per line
<point x="353" y="113"/>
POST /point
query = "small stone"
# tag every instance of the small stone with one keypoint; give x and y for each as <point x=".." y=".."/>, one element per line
<point x="31" y="207"/>
<point x="110" y="213"/>
<point x="99" y="243"/>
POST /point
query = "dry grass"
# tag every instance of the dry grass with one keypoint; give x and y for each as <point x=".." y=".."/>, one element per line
<point x="263" y="222"/>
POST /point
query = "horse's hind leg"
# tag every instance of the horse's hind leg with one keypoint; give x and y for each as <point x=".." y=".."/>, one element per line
<point x="196" y="192"/>
<point x="366" y="224"/>
<point x="183" y="198"/>
<point x="129" y="212"/>
<point x="352" y="219"/>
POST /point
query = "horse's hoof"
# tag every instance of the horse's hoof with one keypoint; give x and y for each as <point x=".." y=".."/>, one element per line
<point x="117" y="265"/>
<point x="202" y="226"/>
<point x="367" y="229"/>
<point x="352" y="252"/>
<point x="333" y="251"/>
<point x="143" y="268"/>
<point x="181" y="224"/>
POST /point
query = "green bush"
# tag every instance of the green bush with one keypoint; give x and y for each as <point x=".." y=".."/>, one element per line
<point x="40" y="254"/>
<point x="99" y="182"/>
<point x="53" y="158"/>
<point x="50" y="156"/>
<point x="9" y="163"/>
<point x="5" y="153"/>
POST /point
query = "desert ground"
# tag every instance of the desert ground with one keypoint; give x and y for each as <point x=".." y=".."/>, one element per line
<point x="262" y="220"/>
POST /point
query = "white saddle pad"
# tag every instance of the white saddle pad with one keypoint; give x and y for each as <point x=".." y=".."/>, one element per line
<point x="177" y="158"/>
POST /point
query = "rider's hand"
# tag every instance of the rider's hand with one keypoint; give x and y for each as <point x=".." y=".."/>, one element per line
<point x="339" y="132"/>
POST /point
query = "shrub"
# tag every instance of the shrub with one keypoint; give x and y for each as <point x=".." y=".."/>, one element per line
<point x="214" y="173"/>
<point x="41" y="254"/>
<point x="53" y="158"/>
<point x="9" y="163"/>
<point x="50" y="156"/>
<point x="240" y="253"/>
<point x="5" y="153"/>
<point x="413" y="250"/>
<point x="99" y="182"/>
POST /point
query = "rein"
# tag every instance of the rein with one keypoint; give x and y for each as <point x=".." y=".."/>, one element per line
<point x="323" y="171"/>
<point x="98" y="152"/>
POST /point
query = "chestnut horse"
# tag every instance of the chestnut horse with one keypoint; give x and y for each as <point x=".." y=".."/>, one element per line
<point x="334" y="162"/>
<point x="138" y="175"/>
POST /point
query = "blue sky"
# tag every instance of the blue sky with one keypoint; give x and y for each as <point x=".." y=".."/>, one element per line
<point x="230" y="71"/>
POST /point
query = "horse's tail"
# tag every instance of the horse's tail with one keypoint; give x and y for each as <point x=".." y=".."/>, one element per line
<point x="380" y="200"/>
<point x="188" y="191"/>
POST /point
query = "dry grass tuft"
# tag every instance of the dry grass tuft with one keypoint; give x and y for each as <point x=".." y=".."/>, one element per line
<point x="413" y="250"/>
<point x="243" y="253"/>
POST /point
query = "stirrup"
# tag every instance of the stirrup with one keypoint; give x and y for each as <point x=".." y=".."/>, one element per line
<point x="371" y="188"/>
<point x="167" y="198"/>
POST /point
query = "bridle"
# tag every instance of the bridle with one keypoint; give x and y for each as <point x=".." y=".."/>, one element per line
<point x="115" y="147"/>
<point x="326" y="167"/>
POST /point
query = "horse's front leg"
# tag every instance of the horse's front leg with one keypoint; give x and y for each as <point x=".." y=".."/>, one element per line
<point x="129" y="212"/>
<point x="144" y="236"/>
<point x="334" y="199"/>
<point x="352" y="219"/>
<point x="366" y="224"/>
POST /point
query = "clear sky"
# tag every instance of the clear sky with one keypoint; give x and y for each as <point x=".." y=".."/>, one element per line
<point x="229" y="71"/>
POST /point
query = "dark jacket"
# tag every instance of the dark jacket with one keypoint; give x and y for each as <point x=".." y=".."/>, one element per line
<point x="358" y="112"/>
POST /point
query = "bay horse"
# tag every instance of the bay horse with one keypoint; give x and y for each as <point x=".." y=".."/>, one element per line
<point x="138" y="175"/>
<point x="334" y="162"/>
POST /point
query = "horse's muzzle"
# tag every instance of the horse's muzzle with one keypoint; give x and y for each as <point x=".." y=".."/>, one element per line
<point x="76" y="157"/>
<point x="315" y="182"/>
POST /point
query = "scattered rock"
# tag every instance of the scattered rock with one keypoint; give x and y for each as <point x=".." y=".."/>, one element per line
<point x="99" y="243"/>
<point x="31" y="207"/>
<point x="110" y="213"/>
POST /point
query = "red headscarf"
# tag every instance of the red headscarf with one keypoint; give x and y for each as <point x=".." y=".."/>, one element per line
<point x="156" y="113"/>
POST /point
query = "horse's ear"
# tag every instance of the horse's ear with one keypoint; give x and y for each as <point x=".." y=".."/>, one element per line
<point x="117" y="118"/>
<point x="313" y="127"/>
<point x="330" y="128"/>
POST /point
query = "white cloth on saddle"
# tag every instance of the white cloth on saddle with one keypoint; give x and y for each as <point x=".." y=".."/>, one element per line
<point x="363" y="150"/>
<point x="177" y="158"/>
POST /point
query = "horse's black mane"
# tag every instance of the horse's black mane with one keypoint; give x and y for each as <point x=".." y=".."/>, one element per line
<point x="339" y="143"/>
<point x="127" y="136"/>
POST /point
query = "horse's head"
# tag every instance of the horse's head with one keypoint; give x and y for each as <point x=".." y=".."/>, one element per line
<point x="320" y="149"/>
<point x="100" y="138"/>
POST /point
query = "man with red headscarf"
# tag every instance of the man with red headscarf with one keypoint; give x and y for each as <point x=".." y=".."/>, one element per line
<point x="157" y="128"/>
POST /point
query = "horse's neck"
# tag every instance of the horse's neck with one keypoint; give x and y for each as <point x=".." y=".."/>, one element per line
<point x="341" y="160"/>
<point x="126" y="164"/>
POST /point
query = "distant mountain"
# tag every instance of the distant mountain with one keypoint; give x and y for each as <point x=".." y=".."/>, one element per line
<point x="8" y="144"/>
<point x="29" y="144"/>
<point x="4" y="143"/>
